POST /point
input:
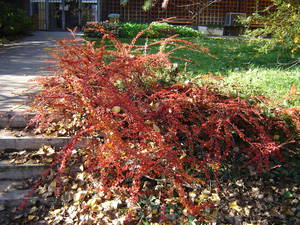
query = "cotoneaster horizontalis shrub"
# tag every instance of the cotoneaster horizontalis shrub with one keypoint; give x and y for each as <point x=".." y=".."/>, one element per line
<point x="134" y="127"/>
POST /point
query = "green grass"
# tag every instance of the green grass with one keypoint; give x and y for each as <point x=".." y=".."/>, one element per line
<point x="269" y="82"/>
<point x="246" y="71"/>
<point x="234" y="55"/>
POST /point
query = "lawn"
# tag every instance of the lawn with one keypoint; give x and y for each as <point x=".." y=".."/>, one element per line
<point x="246" y="71"/>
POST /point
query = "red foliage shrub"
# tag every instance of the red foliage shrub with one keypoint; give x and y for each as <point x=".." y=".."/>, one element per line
<point x="134" y="127"/>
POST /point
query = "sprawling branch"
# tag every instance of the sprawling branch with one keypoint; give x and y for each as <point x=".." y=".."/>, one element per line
<point x="165" y="3"/>
<point x="197" y="7"/>
<point x="197" y="3"/>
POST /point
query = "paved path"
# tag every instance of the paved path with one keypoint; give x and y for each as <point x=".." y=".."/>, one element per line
<point x="21" y="61"/>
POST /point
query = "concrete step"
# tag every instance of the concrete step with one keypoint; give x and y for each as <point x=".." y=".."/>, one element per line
<point x="18" y="132"/>
<point x="12" y="193"/>
<point x="14" y="197"/>
<point x="30" y="142"/>
<point x="10" y="171"/>
<point x="11" y="185"/>
<point x="14" y="119"/>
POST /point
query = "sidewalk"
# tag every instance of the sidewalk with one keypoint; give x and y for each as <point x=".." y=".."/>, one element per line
<point x="21" y="61"/>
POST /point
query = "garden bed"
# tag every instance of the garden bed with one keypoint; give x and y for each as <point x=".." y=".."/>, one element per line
<point x="160" y="151"/>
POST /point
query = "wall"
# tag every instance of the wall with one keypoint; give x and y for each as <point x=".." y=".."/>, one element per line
<point x="214" y="14"/>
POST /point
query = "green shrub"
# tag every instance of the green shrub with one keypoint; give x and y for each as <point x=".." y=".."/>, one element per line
<point x="187" y="31"/>
<point x="282" y="24"/>
<point x="13" y="21"/>
<point x="130" y="30"/>
<point x="157" y="30"/>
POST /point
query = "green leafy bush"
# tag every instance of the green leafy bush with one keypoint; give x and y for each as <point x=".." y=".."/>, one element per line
<point x="131" y="29"/>
<point x="154" y="30"/>
<point x="187" y="31"/>
<point x="281" y="22"/>
<point x="157" y="30"/>
<point x="13" y="21"/>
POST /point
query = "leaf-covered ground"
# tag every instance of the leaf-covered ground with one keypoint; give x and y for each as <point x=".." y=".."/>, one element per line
<point x="238" y="198"/>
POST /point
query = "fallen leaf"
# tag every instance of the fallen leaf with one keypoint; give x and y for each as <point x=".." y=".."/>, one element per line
<point x="33" y="209"/>
<point x="79" y="196"/>
<point x="50" y="151"/>
<point x="116" y="109"/>
<point x="234" y="205"/>
<point x="41" y="151"/>
<point x="215" y="198"/>
<point x="156" y="128"/>
<point x="183" y="155"/>
<point x="2" y="207"/>
<point x="288" y="212"/>
<point x="92" y="203"/>
<point x="31" y="217"/>
<point x="293" y="90"/>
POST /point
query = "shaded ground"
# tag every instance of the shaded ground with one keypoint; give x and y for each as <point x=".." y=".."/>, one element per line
<point x="21" y="61"/>
<point x="239" y="198"/>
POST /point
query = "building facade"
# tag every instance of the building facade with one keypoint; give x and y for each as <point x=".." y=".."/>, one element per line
<point x="201" y="12"/>
<point x="60" y="14"/>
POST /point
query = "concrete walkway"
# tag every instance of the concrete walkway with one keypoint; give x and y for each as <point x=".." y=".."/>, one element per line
<point x="21" y="61"/>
